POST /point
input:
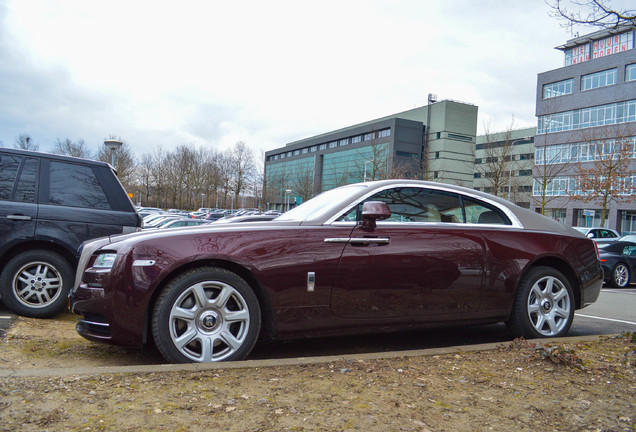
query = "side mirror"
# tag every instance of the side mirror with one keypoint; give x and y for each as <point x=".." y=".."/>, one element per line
<point x="373" y="211"/>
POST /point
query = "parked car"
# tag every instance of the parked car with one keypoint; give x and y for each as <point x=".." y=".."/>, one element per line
<point x="183" y="222"/>
<point x="155" y="222"/>
<point x="247" y="218"/>
<point x="619" y="262"/>
<point x="49" y="205"/>
<point x="599" y="234"/>
<point x="628" y="238"/>
<point x="367" y="257"/>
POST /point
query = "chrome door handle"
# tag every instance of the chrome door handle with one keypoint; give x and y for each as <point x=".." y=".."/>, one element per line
<point x="19" y="217"/>
<point x="359" y="240"/>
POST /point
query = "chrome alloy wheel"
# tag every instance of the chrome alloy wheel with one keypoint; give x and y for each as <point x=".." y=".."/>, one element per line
<point x="37" y="284"/>
<point x="209" y="321"/>
<point x="549" y="306"/>
<point x="620" y="275"/>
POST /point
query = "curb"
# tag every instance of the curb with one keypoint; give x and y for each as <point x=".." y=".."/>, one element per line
<point x="249" y="364"/>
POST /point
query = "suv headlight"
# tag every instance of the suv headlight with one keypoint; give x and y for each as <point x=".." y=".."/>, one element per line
<point x="104" y="260"/>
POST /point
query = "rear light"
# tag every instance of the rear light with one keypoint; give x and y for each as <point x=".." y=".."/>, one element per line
<point x="598" y="255"/>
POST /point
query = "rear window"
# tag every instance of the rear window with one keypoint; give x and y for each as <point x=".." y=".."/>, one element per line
<point x="76" y="186"/>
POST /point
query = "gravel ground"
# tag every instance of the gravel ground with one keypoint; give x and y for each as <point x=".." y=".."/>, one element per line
<point x="583" y="386"/>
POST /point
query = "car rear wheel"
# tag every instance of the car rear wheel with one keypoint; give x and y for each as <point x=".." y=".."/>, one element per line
<point x="206" y="315"/>
<point x="36" y="283"/>
<point x="544" y="306"/>
<point x="620" y="276"/>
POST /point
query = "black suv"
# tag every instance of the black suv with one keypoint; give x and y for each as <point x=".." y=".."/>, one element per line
<point x="49" y="205"/>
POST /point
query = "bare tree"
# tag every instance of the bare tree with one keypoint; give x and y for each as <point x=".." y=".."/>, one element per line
<point x="242" y="167"/>
<point x="594" y="13"/>
<point x="70" y="148"/>
<point x="547" y="166"/>
<point x="605" y="179"/>
<point x="303" y="184"/>
<point x="25" y="142"/>
<point x="374" y="165"/>
<point x="497" y="164"/>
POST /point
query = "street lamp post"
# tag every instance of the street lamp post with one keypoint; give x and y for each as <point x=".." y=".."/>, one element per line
<point x="365" y="170"/>
<point x="202" y="195"/>
<point x="113" y="145"/>
<point x="287" y="192"/>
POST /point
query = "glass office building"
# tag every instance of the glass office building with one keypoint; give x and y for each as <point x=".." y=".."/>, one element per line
<point x="420" y="144"/>
<point x="586" y="114"/>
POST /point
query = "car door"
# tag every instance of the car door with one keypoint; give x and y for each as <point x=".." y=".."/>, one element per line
<point x="18" y="206"/>
<point x="419" y="263"/>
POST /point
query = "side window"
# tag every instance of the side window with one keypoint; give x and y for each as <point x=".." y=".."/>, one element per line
<point x="9" y="166"/>
<point x="25" y="189"/>
<point x="415" y="205"/>
<point x="607" y="234"/>
<point x="478" y="212"/>
<point x="629" y="250"/>
<point x="76" y="186"/>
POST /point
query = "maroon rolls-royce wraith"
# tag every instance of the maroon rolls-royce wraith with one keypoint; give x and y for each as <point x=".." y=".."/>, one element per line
<point x="367" y="257"/>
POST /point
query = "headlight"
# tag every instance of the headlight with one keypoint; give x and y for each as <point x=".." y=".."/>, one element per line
<point x="104" y="260"/>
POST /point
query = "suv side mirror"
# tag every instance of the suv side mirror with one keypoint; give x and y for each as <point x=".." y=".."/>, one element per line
<point x="373" y="211"/>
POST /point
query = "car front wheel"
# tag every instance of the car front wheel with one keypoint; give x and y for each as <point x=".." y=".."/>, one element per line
<point x="36" y="283"/>
<point x="206" y="315"/>
<point x="620" y="276"/>
<point x="544" y="306"/>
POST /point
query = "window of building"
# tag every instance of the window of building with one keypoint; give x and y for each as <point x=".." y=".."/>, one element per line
<point x="296" y="152"/>
<point x="76" y="186"/>
<point x="305" y="150"/>
<point x="436" y="155"/>
<point x="283" y="155"/>
<point x="477" y="175"/>
<point x="526" y="156"/>
<point x="343" y="142"/>
<point x="384" y="133"/>
<point x="477" y="161"/>
<point x="599" y="79"/>
<point x="356" y="139"/>
<point x="615" y="113"/>
<point x="333" y="144"/>
<point x="525" y="173"/>
<point x="459" y="137"/>
<point x="630" y="72"/>
<point x="577" y="54"/>
<point x="322" y="147"/>
<point x="613" y="45"/>
<point x="313" y="149"/>
<point x="557" y="88"/>
<point x="583" y="151"/>
<point x="369" y="136"/>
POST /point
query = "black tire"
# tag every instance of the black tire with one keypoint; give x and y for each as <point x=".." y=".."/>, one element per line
<point x="206" y="315"/>
<point x="36" y="283"/>
<point x="544" y="305"/>
<point x="621" y="276"/>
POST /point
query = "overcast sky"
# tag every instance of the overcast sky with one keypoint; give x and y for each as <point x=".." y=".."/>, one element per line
<point x="211" y="73"/>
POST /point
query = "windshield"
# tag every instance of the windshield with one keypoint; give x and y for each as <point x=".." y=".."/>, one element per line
<point x="322" y="204"/>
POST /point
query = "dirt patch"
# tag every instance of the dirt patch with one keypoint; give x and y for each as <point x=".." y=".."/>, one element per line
<point x="586" y="386"/>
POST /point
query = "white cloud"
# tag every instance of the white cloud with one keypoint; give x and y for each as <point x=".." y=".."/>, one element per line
<point x="211" y="73"/>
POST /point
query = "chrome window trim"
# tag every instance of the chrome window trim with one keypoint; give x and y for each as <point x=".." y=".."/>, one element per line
<point x="515" y="222"/>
